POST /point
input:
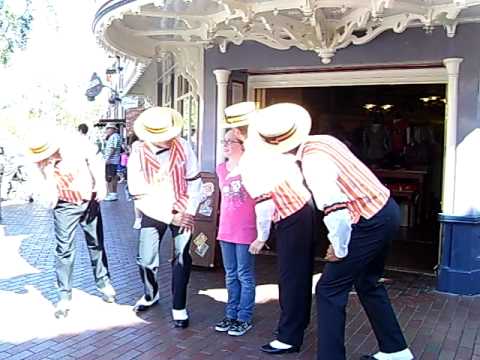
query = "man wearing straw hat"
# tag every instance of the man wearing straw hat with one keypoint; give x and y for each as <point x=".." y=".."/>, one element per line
<point x="361" y="219"/>
<point x="276" y="184"/>
<point x="163" y="177"/>
<point x="74" y="183"/>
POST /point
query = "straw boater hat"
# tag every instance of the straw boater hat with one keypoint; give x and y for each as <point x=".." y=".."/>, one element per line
<point x="158" y="124"/>
<point x="280" y="127"/>
<point x="237" y="115"/>
<point x="41" y="144"/>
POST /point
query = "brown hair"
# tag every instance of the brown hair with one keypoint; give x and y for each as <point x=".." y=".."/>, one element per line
<point x="240" y="132"/>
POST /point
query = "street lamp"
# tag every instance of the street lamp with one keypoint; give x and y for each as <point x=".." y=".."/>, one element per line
<point x="96" y="85"/>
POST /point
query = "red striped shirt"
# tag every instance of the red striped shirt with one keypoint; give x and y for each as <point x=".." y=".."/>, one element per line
<point x="289" y="198"/>
<point x="366" y="194"/>
<point x="66" y="190"/>
<point x="177" y="159"/>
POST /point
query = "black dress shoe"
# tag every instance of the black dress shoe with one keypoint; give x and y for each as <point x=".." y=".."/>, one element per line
<point x="274" y="351"/>
<point x="181" y="323"/>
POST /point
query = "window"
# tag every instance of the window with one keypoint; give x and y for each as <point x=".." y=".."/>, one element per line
<point x="175" y="91"/>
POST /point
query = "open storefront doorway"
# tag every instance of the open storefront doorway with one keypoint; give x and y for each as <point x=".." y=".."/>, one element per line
<point x="398" y="130"/>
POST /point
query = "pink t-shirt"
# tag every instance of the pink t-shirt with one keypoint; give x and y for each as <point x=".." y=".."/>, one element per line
<point x="237" y="210"/>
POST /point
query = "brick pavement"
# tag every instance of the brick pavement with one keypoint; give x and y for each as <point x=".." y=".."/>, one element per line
<point x="437" y="326"/>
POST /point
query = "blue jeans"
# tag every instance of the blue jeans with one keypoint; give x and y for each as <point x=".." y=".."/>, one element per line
<point x="239" y="267"/>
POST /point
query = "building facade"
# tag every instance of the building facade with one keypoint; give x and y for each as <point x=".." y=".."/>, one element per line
<point x="199" y="56"/>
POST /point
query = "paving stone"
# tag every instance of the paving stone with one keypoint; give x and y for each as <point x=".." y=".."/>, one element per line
<point x="437" y="326"/>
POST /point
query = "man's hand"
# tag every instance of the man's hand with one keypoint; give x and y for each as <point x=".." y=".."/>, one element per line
<point x="331" y="257"/>
<point x="184" y="221"/>
<point x="256" y="246"/>
<point x="100" y="195"/>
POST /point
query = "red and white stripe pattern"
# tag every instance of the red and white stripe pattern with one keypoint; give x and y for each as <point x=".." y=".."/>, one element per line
<point x="177" y="159"/>
<point x="66" y="192"/>
<point x="150" y="164"/>
<point x="289" y="199"/>
<point x="366" y="194"/>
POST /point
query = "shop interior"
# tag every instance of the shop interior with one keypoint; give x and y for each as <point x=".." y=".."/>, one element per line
<point x="398" y="131"/>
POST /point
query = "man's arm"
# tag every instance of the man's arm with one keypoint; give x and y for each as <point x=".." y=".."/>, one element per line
<point x="194" y="182"/>
<point x="264" y="210"/>
<point x="96" y="165"/>
<point x="137" y="184"/>
<point x="321" y="174"/>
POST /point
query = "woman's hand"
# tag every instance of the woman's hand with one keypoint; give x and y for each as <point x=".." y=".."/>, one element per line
<point x="256" y="246"/>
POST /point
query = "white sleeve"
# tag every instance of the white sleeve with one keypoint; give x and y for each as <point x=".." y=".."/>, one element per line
<point x="96" y="164"/>
<point x="194" y="182"/>
<point x="264" y="212"/>
<point x="135" y="177"/>
<point x="321" y="177"/>
<point x="44" y="188"/>
<point x="339" y="225"/>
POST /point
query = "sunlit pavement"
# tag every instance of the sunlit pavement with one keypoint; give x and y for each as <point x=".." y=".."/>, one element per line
<point x="437" y="326"/>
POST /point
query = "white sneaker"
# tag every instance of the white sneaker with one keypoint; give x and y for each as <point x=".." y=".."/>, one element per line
<point x="144" y="304"/>
<point x="137" y="225"/>
<point x="111" y="197"/>
<point x="62" y="308"/>
<point x="108" y="293"/>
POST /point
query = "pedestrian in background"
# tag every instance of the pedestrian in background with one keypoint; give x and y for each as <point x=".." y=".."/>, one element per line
<point x="111" y="154"/>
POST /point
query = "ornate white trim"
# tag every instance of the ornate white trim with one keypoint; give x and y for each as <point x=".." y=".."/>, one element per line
<point x="348" y="78"/>
<point x="322" y="26"/>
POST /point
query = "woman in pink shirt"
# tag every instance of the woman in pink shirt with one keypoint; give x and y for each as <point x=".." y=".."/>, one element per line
<point x="237" y="230"/>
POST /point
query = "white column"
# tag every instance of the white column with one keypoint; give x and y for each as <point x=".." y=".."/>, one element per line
<point x="449" y="172"/>
<point x="222" y="77"/>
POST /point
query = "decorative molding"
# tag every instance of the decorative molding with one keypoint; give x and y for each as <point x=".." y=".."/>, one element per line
<point x="322" y="26"/>
<point x="452" y="66"/>
<point x="350" y="78"/>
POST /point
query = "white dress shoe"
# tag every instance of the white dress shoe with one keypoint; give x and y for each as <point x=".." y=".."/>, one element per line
<point x="144" y="304"/>
<point x="108" y="293"/>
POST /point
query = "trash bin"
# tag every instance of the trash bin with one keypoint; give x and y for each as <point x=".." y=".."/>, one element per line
<point x="459" y="270"/>
<point x="1" y="175"/>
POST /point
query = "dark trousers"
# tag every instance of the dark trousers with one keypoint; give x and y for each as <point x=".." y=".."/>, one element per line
<point x="362" y="268"/>
<point x="148" y="260"/>
<point x="66" y="217"/>
<point x="295" y="264"/>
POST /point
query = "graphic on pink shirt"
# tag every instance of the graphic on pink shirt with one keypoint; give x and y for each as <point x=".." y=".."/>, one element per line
<point x="237" y="209"/>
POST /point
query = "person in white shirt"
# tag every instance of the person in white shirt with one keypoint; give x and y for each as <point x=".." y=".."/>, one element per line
<point x="275" y="182"/>
<point x="163" y="177"/>
<point x="71" y="182"/>
<point x="362" y="220"/>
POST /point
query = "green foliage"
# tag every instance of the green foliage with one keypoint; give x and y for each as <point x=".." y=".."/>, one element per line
<point x="14" y="29"/>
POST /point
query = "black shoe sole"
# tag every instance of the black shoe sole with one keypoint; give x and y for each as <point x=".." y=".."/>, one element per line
<point x="143" y="308"/>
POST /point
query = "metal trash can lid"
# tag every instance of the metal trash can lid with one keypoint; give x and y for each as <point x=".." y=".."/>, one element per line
<point x="465" y="219"/>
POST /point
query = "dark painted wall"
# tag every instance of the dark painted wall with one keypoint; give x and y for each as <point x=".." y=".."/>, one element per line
<point x="412" y="46"/>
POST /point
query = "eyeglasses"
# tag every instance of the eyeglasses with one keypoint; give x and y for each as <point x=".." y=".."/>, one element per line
<point x="230" y="142"/>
